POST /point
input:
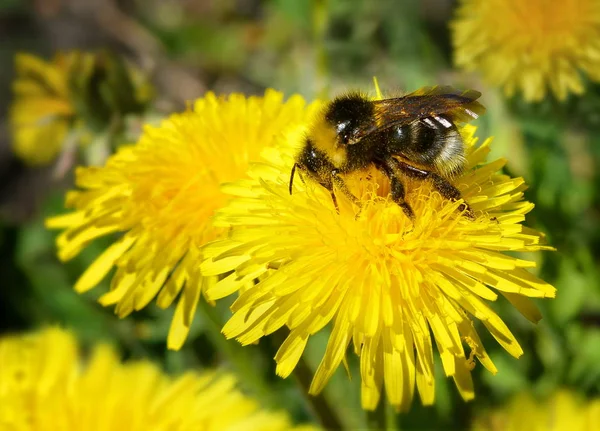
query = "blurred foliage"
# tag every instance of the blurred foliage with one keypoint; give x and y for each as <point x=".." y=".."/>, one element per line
<point x="316" y="48"/>
<point x="103" y="88"/>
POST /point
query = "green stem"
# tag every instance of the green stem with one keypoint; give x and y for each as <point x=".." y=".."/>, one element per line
<point x="320" y="20"/>
<point x="240" y="359"/>
<point x="318" y="403"/>
<point x="238" y="356"/>
<point x="392" y="417"/>
<point x="377" y="419"/>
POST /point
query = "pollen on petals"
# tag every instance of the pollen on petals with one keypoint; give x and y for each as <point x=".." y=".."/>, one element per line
<point x="394" y="290"/>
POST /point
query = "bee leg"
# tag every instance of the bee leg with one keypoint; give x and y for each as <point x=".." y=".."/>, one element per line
<point x="390" y="168"/>
<point x="398" y="194"/>
<point x="296" y="165"/>
<point x="334" y="199"/>
<point x="328" y="184"/>
<point x="441" y="184"/>
<point x="340" y="184"/>
<point x="448" y="191"/>
<point x="292" y="176"/>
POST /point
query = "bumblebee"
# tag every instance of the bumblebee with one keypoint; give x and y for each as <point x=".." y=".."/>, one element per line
<point x="414" y="136"/>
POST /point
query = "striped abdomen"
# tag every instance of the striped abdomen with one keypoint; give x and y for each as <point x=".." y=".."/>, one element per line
<point x="432" y="142"/>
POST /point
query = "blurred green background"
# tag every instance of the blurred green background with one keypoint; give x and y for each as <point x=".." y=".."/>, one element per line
<point x="316" y="48"/>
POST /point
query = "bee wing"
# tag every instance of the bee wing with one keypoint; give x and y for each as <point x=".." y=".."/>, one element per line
<point x="433" y="106"/>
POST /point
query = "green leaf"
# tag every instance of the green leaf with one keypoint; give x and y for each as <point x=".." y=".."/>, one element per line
<point x="572" y="289"/>
<point x="510" y="377"/>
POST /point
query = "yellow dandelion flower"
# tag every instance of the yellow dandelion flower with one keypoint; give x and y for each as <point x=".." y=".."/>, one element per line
<point x="44" y="386"/>
<point x="564" y="410"/>
<point x="530" y="45"/>
<point x="391" y="287"/>
<point x="42" y="112"/>
<point x="160" y="194"/>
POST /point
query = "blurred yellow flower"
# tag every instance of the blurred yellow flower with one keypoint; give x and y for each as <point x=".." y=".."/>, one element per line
<point x="161" y="193"/>
<point x="42" y="112"/>
<point x="70" y="100"/>
<point x="44" y="386"/>
<point x="564" y="410"/>
<point x="530" y="45"/>
<point x="386" y="284"/>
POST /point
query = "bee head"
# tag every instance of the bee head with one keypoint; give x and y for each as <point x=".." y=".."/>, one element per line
<point x="348" y="115"/>
<point x="313" y="162"/>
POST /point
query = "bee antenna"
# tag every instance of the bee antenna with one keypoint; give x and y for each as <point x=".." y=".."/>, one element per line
<point x="292" y="176"/>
